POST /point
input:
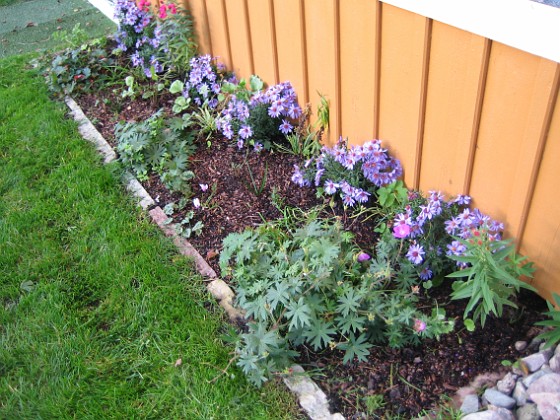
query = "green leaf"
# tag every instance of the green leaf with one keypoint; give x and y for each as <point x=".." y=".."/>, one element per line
<point x="176" y="87"/>
<point x="355" y="347"/>
<point x="348" y="303"/>
<point x="320" y="333"/>
<point x="298" y="314"/>
<point x="469" y="324"/>
<point x="256" y="83"/>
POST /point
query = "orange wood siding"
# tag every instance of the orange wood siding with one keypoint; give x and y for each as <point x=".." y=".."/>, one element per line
<point x="464" y="114"/>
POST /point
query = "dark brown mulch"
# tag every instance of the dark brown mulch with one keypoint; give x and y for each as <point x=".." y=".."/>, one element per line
<point x="409" y="379"/>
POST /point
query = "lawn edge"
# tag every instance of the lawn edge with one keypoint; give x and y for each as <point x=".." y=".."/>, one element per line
<point x="310" y="397"/>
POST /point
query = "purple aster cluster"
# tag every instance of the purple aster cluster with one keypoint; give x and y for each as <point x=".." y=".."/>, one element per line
<point x="204" y="81"/>
<point x="430" y="224"/>
<point x="236" y="119"/>
<point x="353" y="172"/>
<point x="139" y="34"/>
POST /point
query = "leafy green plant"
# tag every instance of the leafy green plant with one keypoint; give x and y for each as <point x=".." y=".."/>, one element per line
<point x="312" y="285"/>
<point x="73" y="39"/>
<point x="80" y="69"/>
<point x="185" y="227"/>
<point x="552" y="334"/>
<point x="158" y="145"/>
<point x="492" y="269"/>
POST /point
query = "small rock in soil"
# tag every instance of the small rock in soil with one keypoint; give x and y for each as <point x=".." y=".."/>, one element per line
<point x="520" y="345"/>
<point x="507" y="383"/>
<point x="528" y="412"/>
<point x="498" y="399"/>
<point x="470" y="404"/>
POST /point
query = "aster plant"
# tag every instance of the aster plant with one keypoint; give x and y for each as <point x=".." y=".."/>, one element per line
<point x="354" y="174"/>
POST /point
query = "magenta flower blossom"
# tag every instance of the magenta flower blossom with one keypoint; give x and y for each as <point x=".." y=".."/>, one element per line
<point x="419" y="325"/>
<point x="203" y="187"/>
<point x="401" y="231"/>
<point x="415" y="254"/>
<point x="362" y="256"/>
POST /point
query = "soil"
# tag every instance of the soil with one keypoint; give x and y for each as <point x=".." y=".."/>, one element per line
<point x="409" y="380"/>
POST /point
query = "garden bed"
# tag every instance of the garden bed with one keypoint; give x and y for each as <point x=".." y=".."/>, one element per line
<point x="216" y="155"/>
<point x="393" y="381"/>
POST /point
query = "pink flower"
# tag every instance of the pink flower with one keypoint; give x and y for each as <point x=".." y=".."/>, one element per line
<point x="419" y="325"/>
<point x="401" y="231"/>
<point x="203" y="187"/>
<point x="163" y="11"/>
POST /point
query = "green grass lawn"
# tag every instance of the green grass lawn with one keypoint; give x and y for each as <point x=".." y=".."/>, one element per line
<point x="96" y="306"/>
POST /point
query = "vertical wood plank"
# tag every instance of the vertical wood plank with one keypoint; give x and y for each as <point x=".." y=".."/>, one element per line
<point x="219" y="34"/>
<point x="291" y="67"/>
<point x="543" y="138"/>
<point x="358" y="52"/>
<point x="263" y="40"/>
<point x="199" y="14"/>
<point x="239" y="38"/>
<point x="402" y="54"/>
<point x="541" y="238"/>
<point x="453" y="83"/>
<point x="321" y="59"/>
<point x="514" y="109"/>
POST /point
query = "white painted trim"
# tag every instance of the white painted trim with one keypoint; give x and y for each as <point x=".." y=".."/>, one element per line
<point x="523" y="24"/>
<point x="106" y="7"/>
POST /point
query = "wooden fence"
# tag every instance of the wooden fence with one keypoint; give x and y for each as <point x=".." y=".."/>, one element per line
<point x="463" y="113"/>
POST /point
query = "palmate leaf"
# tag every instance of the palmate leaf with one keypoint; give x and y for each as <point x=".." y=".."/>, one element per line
<point x="350" y="323"/>
<point x="355" y="347"/>
<point x="348" y="302"/>
<point x="279" y="293"/>
<point x="319" y="333"/>
<point x="298" y="314"/>
<point x="323" y="252"/>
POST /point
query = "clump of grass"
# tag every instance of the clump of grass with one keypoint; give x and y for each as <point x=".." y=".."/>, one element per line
<point x="99" y="317"/>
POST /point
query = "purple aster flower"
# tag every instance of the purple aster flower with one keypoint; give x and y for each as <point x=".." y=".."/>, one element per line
<point x="297" y="177"/>
<point x="258" y="147"/>
<point x="415" y="254"/>
<point x="361" y="196"/>
<point x="245" y="132"/>
<point x="285" y="127"/>
<point x="348" y="201"/>
<point x="227" y="131"/>
<point x="462" y="200"/>
<point x="452" y="225"/>
<point x="240" y="144"/>
<point x="456" y="248"/>
<point x="425" y="274"/>
<point x="318" y="176"/>
<point x="330" y="187"/>
<point x="203" y="187"/>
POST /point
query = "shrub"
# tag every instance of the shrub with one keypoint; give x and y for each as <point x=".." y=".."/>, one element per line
<point x="311" y="285"/>
<point x="160" y="146"/>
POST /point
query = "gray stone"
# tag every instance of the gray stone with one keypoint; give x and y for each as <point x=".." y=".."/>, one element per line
<point x="528" y="412"/>
<point x="557" y="350"/>
<point x="520" y="394"/>
<point x="546" y="383"/>
<point x="534" y="362"/>
<point x="507" y="383"/>
<point x="470" y="404"/>
<point x="498" y="398"/>
<point x="520" y="345"/>
<point x="311" y="398"/>
<point x="532" y="378"/>
<point x="498" y="414"/>
<point x="535" y="343"/>
<point x="554" y="363"/>
<point x="547" y="403"/>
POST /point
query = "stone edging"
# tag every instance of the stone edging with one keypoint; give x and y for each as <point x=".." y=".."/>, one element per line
<point x="311" y="398"/>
